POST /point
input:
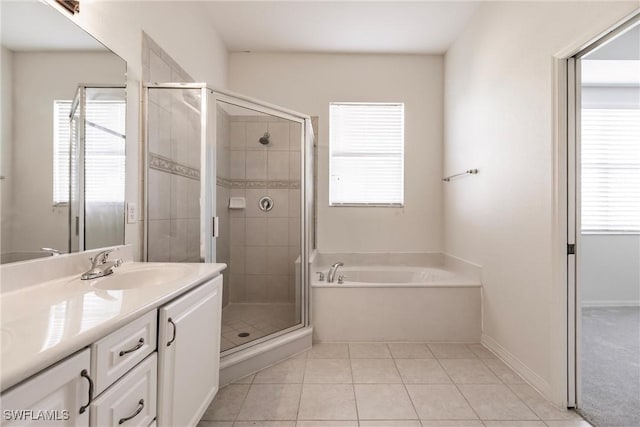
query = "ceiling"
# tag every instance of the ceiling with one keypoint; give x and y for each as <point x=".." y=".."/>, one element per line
<point x="46" y="29"/>
<point x="417" y="27"/>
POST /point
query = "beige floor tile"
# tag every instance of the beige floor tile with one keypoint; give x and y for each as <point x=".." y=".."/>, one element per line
<point x="390" y="423"/>
<point x="227" y="403"/>
<point x="410" y="351"/>
<point x="369" y="351"/>
<point x="265" y="424"/>
<point x="372" y="371"/>
<point x="514" y="424"/>
<point x="289" y="371"/>
<point x="327" y="424"/>
<point x="328" y="371"/>
<point x="384" y="402"/>
<point x="422" y="371"/>
<point x="245" y="380"/>
<point x="481" y="351"/>
<point x="439" y="402"/>
<point x="446" y="423"/>
<point x="496" y="402"/>
<point x="215" y="424"/>
<point x="329" y="351"/>
<point x="542" y="407"/>
<point x="469" y="371"/>
<point x="502" y="371"/>
<point x="451" y="351"/>
<point x="327" y="402"/>
<point x="266" y="402"/>
<point x="568" y="423"/>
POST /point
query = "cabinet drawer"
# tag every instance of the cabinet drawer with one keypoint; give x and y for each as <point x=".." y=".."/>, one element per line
<point x="117" y="353"/>
<point x="131" y="401"/>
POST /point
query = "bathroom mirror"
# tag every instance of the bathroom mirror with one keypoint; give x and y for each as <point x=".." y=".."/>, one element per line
<point x="63" y="136"/>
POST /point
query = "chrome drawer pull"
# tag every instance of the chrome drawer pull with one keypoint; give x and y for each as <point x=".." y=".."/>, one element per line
<point x="175" y="331"/>
<point x="85" y="374"/>
<point x="134" y="348"/>
<point x="135" y="414"/>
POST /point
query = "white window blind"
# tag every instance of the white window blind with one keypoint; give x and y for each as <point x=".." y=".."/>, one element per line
<point x="366" y="154"/>
<point x="104" y="151"/>
<point x="610" y="170"/>
<point x="61" y="111"/>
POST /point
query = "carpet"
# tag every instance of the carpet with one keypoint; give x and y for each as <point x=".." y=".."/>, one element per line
<point x="611" y="366"/>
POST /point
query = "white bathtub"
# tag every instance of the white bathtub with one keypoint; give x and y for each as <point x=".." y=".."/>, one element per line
<point x="437" y="302"/>
<point x="395" y="276"/>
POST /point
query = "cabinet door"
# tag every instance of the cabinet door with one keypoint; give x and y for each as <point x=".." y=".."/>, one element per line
<point x="189" y="355"/>
<point x="54" y="397"/>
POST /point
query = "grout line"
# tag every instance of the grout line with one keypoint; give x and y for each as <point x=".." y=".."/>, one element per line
<point x="404" y="385"/>
<point x="458" y="388"/>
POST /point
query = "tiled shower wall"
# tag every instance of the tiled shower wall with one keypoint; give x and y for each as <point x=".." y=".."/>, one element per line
<point x="264" y="246"/>
<point x="174" y="161"/>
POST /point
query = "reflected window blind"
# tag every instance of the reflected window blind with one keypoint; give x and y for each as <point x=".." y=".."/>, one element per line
<point x="366" y="154"/>
<point x="61" y="144"/>
<point x="104" y="151"/>
<point x="610" y="170"/>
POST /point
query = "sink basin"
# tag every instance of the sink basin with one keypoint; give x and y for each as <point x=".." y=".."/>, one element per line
<point x="141" y="277"/>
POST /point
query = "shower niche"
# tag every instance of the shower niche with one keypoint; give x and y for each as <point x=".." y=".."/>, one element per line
<point x="227" y="181"/>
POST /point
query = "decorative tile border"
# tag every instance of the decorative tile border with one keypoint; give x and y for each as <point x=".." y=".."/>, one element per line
<point x="165" y="164"/>
<point x="243" y="184"/>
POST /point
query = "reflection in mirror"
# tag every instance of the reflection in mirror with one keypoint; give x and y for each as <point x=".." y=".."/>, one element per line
<point x="63" y="136"/>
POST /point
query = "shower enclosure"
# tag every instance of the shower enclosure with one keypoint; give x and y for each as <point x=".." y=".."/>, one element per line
<point x="97" y="167"/>
<point x="227" y="180"/>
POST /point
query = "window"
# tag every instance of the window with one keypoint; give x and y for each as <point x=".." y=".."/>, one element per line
<point x="104" y="151"/>
<point x="366" y="154"/>
<point x="610" y="170"/>
<point x="61" y="111"/>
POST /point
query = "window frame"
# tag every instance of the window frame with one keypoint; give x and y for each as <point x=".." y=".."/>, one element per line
<point x="402" y="160"/>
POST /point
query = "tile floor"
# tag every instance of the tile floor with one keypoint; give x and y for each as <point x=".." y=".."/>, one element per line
<point x="386" y="385"/>
<point x="258" y="320"/>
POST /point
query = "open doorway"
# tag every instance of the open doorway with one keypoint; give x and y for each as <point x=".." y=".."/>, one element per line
<point x="604" y="199"/>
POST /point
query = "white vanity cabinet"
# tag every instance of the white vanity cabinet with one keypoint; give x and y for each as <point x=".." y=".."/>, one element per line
<point x="57" y="396"/>
<point x="189" y="354"/>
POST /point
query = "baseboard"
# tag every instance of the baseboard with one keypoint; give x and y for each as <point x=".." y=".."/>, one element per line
<point x="611" y="303"/>
<point x="534" y="380"/>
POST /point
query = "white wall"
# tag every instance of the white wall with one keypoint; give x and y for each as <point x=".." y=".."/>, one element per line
<point x="6" y="146"/>
<point x="309" y="82"/>
<point x="610" y="269"/>
<point x="39" y="79"/>
<point x="183" y="30"/>
<point x="499" y="118"/>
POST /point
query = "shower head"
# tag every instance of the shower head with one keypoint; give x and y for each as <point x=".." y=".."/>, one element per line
<point x="265" y="139"/>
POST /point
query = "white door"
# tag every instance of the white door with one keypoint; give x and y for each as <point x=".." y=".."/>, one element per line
<point x="189" y="355"/>
<point x="58" y="396"/>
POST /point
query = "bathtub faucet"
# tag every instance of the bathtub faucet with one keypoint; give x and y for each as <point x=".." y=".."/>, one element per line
<point x="331" y="276"/>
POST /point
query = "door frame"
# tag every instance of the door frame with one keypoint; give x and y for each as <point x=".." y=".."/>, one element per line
<point x="567" y="224"/>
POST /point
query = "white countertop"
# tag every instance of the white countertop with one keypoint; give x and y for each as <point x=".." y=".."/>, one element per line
<point x="44" y="323"/>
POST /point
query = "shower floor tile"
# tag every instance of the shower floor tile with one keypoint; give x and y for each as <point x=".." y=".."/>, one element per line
<point x="257" y="320"/>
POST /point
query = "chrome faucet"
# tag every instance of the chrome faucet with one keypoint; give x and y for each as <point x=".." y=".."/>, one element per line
<point x="100" y="266"/>
<point x="331" y="276"/>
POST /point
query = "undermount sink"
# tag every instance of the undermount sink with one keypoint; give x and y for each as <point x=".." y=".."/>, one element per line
<point x="141" y="277"/>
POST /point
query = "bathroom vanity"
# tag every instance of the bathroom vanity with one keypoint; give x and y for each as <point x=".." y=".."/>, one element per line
<point x="138" y="347"/>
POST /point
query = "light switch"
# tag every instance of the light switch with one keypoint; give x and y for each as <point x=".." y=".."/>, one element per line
<point x="132" y="213"/>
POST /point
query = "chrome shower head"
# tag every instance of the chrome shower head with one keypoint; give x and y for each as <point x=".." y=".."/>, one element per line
<point x="265" y="139"/>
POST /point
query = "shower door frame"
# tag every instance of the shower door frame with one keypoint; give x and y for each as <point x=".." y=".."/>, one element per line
<point x="208" y="219"/>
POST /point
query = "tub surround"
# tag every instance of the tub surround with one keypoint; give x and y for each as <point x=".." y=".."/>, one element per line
<point x="45" y="321"/>
<point x="442" y="302"/>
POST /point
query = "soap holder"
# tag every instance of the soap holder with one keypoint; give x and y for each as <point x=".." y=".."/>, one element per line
<point x="237" y="203"/>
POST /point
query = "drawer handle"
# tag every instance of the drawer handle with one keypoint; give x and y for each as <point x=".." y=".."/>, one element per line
<point x="175" y="331"/>
<point x="85" y="374"/>
<point x="134" y="348"/>
<point x="135" y="414"/>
